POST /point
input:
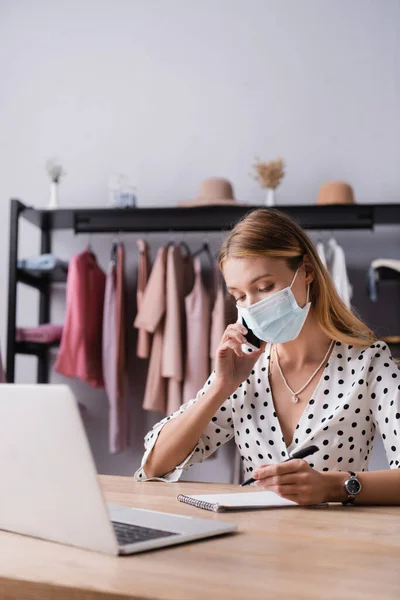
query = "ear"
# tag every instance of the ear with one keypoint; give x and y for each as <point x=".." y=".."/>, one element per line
<point x="308" y="270"/>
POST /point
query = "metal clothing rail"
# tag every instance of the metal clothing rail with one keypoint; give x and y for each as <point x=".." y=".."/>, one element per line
<point x="205" y="218"/>
<point x="109" y="220"/>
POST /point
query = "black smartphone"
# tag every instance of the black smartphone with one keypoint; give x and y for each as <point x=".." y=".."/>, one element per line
<point x="252" y="341"/>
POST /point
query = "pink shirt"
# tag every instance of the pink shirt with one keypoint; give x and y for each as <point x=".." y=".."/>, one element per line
<point x="198" y="323"/>
<point x="80" y="352"/>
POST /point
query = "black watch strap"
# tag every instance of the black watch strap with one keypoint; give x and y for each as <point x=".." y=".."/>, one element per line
<point x="350" y="497"/>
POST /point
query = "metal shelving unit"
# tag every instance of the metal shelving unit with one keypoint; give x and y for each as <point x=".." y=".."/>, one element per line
<point x="106" y="220"/>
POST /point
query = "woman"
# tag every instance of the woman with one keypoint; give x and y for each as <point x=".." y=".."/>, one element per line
<point x="320" y="378"/>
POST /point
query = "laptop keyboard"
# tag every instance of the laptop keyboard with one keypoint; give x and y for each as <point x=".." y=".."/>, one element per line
<point x="131" y="534"/>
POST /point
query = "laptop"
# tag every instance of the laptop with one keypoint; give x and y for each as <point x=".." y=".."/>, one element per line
<point x="50" y="488"/>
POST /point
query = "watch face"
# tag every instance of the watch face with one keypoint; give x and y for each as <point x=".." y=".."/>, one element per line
<point x="353" y="486"/>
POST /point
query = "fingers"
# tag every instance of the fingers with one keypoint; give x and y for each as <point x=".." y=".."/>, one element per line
<point x="239" y="327"/>
<point x="235" y="332"/>
<point x="301" y="494"/>
<point x="288" y="486"/>
<point x="291" y="466"/>
<point x="230" y="345"/>
<point x="289" y="479"/>
<point x="285" y="491"/>
<point x="292" y="480"/>
<point x="233" y="339"/>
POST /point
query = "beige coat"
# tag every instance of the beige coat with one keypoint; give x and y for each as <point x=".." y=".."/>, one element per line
<point x="162" y="313"/>
<point x="151" y="319"/>
<point x="178" y="283"/>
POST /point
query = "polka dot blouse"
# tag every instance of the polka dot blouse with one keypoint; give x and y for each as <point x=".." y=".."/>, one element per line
<point x="357" y="395"/>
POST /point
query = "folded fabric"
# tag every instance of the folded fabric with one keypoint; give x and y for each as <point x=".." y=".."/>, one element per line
<point x="373" y="275"/>
<point x="44" y="262"/>
<point x="388" y="263"/>
<point x="43" y="334"/>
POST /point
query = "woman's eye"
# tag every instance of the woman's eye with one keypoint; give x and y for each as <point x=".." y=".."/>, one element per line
<point x="269" y="288"/>
<point x="240" y="299"/>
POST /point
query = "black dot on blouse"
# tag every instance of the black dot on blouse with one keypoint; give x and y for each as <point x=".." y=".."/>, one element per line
<point x="339" y="416"/>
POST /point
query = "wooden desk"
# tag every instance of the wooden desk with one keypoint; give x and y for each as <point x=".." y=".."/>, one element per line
<point x="331" y="553"/>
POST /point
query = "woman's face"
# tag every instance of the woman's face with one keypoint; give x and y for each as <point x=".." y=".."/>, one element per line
<point x="250" y="280"/>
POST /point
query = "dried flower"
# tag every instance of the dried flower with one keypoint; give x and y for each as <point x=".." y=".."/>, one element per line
<point x="269" y="174"/>
<point x="54" y="170"/>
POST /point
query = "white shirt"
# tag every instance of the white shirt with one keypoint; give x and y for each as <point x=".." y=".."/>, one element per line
<point x="321" y="252"/>
<point x="337" y="268"/>
<point x="357" y="394"/>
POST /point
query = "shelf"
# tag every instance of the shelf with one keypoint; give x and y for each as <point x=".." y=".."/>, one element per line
<point x="144" y="220"/>
<point x="206" y="218"/>
<point x="34" y="348"/>
<point x="40" y="279"/>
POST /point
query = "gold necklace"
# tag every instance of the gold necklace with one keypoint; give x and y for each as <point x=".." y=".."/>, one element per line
<point x="295" y="395"/>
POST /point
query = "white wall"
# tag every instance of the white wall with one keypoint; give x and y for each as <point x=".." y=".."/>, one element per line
<point x="172" y="91"/>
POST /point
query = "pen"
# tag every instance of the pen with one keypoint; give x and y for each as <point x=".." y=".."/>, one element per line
<point x="300" y="454"/>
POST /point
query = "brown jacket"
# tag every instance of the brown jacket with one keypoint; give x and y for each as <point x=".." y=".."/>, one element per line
<point x="144" y="338"/>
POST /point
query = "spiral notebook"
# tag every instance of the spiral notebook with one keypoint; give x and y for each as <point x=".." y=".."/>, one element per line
<point x="241" y="501"/>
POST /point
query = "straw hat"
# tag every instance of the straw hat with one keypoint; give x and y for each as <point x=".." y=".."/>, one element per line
<point x="214" y="190"/>
<point x="336" y="192"/>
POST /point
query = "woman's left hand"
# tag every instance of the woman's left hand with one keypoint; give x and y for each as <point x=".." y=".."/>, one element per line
<point x="294" y="480"/>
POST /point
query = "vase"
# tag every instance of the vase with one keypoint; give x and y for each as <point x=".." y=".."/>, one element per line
<point x="53" y="199"/>
<point x="270" y="197"/>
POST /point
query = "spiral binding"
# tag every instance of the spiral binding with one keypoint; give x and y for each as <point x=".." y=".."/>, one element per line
<point x="198" y="503"/>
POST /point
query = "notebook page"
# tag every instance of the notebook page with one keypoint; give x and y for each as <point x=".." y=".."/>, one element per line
<point x="262" y="498"/>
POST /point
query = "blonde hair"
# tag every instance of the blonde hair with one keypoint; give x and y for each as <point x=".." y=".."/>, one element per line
<point x="268" y="232"/>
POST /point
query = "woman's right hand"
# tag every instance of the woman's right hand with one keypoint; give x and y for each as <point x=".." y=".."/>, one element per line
<point x="232" y="365"/>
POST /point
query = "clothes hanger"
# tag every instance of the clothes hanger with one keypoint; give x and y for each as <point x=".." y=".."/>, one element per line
<point x="113" y="256"/>
<point x="206" y="250"/>
<point x="142" y="245"/>
<point x="186" y="247"/>
<point x="332" y="236"/>
<point x="172" y="240"/>
<point x="320" y="239"/>
<point x="116" y="243"/>
<point x="89" y="247"/>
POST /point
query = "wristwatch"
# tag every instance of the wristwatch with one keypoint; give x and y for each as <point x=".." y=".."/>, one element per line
<point x="352" y="486"/>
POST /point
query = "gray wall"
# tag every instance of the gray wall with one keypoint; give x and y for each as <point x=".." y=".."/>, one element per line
<point x="172" y="91"/>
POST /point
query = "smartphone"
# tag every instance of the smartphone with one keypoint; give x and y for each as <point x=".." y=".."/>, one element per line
<point x="252" y="341"/>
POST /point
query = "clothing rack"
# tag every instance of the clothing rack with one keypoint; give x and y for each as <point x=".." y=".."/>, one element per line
<point x="110" y="220"/>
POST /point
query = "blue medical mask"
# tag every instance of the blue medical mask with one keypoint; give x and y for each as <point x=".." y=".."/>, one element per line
<point x="278" y="318"/>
